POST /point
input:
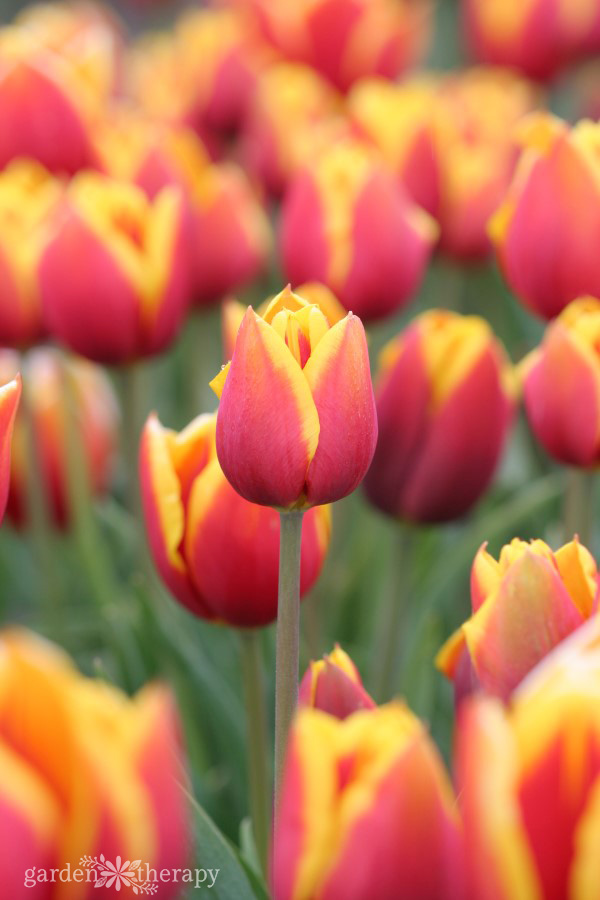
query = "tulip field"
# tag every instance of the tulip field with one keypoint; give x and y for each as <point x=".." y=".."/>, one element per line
<point x="299" y="440"/>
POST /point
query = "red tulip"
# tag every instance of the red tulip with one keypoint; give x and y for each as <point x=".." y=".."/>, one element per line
<point x="10" y="394"/>
<point x="333" y="685"/>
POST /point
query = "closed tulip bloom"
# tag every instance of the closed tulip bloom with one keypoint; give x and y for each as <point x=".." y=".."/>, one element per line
<point x="538" y="37"/>
<point x="523" y="605"/>
<point x="85" y="772"/>
<point x="366" y="810"/>
<point x="10" y="394"/>
<point x="529" y="781"/>
<point x="46" y="109"/>
<point x="333" y="685"/>
<point x="554" y="199"/>
<point x="444" y="403"/>
<point x="562" y="386"/>
<point x="296" y="425"/>
<point x="346" y="39"/>
<point x="97" y="414"/>
<point x="28" y="194"/>
<point x="114" y="275"/>
<point x="346" y="222"/>
<point x="217" y="553"/>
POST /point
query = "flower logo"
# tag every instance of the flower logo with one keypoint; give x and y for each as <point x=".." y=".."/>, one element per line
<point x="118" y="874"/>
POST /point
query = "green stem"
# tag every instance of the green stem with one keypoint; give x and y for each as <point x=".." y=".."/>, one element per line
<point x="201" y="361"/>
<point x="387" y="643"/>
<point x="579" y="505"/>
<point x="134" y="404"/>
<point x="256" y="730"/>
<point x="288" y="637"/>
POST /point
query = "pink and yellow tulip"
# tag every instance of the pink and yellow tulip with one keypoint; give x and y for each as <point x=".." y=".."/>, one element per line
<point x="297" y="425"/>
<point x="333" y="685"/>
<point x="554" y="201"/>
<point x="347" y="222"/>
<point x="445" y="396"/>
<point x="10" y="394"/>
<point x="562" y="386"/>
<point x="114" y="275"/>
<point x="366" y="810"/>
<point x="97" y="420"/>
<point x="523" y="605"/>
<point x="217" y="553"/>
<point x="84" y="771"/>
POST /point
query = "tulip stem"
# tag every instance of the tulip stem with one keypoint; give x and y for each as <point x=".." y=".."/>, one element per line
<point x="133" y="399"/>
<point x="579" y="505"/>
<point x="288" y="637"/>
<point x="256" y="732"/>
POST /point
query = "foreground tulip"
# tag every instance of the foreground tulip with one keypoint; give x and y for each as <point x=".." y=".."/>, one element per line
<point x="366" y="809"/>
<point x="333" y="685"/>
<point x="27" y="196"/>
<point x="216" y="552"/>
<point x="554" y="200"/>
<point x="539" y="37"/>
<point x="523" y="605"/>
<point x="346" y="39"/>
<point x="347" y="223"/>
<point x="10" y="394"/>
<point x="114" y="275"/>
<point x="444" y="404"/>
<point x="97" y="420"/>
<point x="85" y="771"/>
<point x="529" y="781"/>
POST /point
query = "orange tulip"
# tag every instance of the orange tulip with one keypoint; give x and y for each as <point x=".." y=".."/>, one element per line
<point x="296" y="426"/>
<point x="217" y="553"/>
<point x="523" y="605"/>
<point x="84" y="771"/>
<point x="10" y="394"/>
<point x="366" y="811"/>
<point x="97" y="419"/>
<point x="333" y="685"/>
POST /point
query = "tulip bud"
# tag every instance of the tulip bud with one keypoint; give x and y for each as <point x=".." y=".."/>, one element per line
<point x="333" y="685"/>
<point x="528" y="779"/>
<point x="115" y="257"/>
<point x="45" y="108"/>
<point x="366" y="810"/>
<point x="85" y="772"/>
<point x="27" y="197"/>
<point x="523" y="605"/>
<point x="297" y="425"/>
<point x="217" y="553"/>
<point x="347" y="39"/>
<point x="10" y="394"/>
<point x="538" y="37"/>
<point x="347" y="223"/>
<point x="554" y="200"/>
<point x="561" y="385"/>
<point x="97" y="419"/>
<point x="444" y="404"/>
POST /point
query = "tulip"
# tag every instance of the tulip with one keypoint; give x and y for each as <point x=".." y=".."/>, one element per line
<point x="114" y="259"/>
<point x="528" y="780"/>
<point x="347" y="223"/>
<point x="217" y="553"/>
<point x="561" y="386"/>
<point x="27" y="196"/>
<point x="523" y="605"/>
<point x="296" y="426"/>
<point x="367" y="810"/>
<point x="10" y="394"/>
<point x="333" y="685"/>
<point x="444" y="399"/>
<point x="97" y="419"/>
<point x="554" y="200"/>
<point x="346" y="39"/>
<point x="46" y="110"/>
<point x="229" y="233"/>
<point x="539" y="37"/>
<point x="85" y="771"/>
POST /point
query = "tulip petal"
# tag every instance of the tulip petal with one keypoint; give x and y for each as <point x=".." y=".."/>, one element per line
<point x="9" y="400"/>
<point x="339" y="378"/>
<point x="267" y="424"/>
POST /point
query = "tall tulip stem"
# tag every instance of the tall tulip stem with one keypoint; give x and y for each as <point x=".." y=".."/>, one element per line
<point x="579" y="505"/>
<point x="256" y="730"/>
<point x="134" y="396"/>
<point x="288" y="636"/>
